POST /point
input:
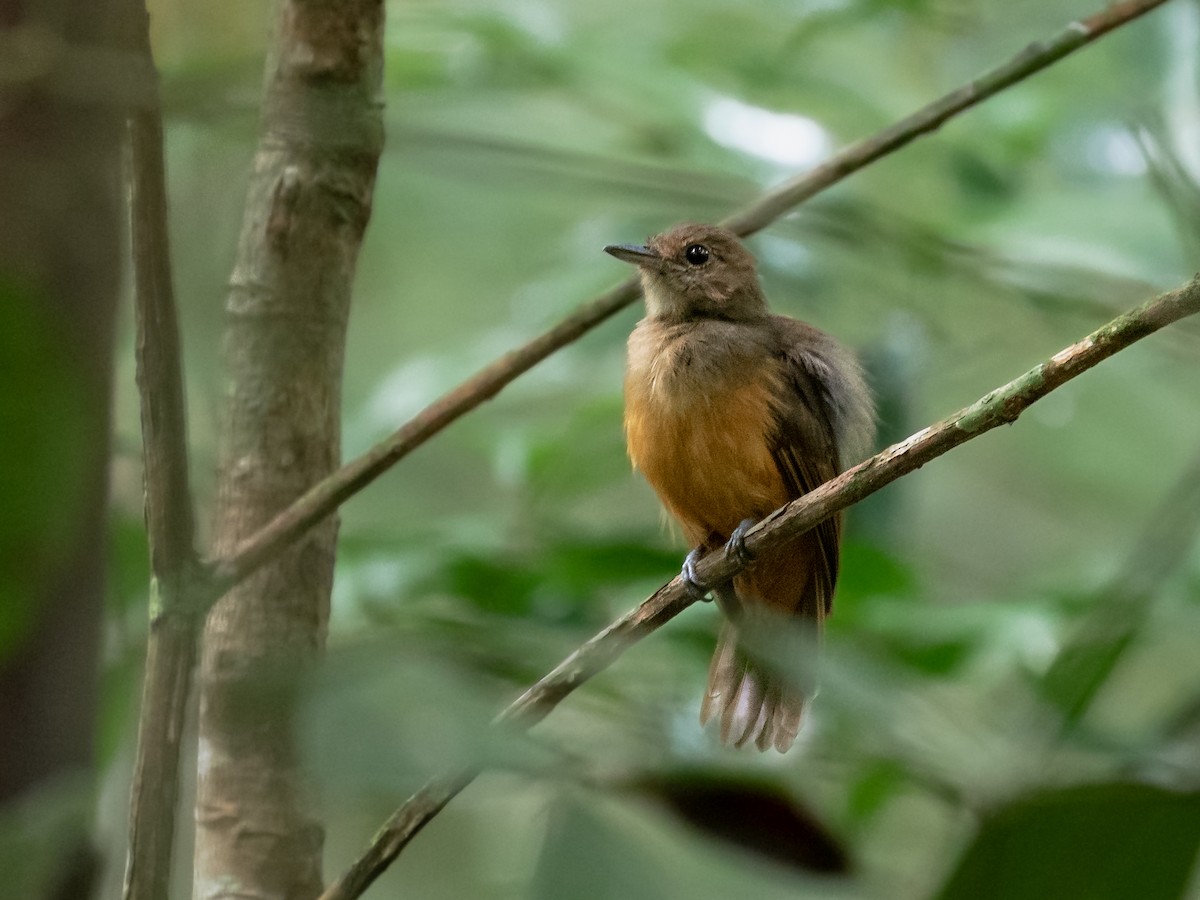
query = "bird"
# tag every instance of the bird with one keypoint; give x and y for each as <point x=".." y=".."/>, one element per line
<point x="732" y="411"/>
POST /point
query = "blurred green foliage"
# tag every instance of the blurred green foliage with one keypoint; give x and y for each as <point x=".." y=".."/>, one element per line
<point x="43" y="473"/>
<point x="525" y="135"/>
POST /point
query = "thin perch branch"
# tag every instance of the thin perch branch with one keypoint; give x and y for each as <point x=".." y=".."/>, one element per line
<point x="170" y="518"/>
<point x="326" y="496"/>
<point x="998" y="407"/>
<point x="1033" y="58"/>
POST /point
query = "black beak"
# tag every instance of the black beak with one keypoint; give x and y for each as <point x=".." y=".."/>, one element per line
<point x="637" y="254"/>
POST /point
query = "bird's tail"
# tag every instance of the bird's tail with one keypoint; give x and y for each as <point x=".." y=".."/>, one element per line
<point x="751" y="704"/>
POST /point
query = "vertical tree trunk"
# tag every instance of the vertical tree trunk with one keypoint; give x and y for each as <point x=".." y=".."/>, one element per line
<point x="258" y="833"/>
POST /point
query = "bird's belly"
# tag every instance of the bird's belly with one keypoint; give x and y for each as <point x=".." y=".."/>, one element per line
<point x="707" y="451"/>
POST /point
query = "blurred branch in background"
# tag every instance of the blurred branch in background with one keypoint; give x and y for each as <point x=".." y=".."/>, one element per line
<point x="326" y="496"/>
<point x="852" y="222"/>
<point x="1085" y="663"/>
<point x="1175" y="182"/>
<point x="998" y="407"/>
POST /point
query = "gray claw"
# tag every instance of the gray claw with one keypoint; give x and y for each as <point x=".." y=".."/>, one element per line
<point x="735" y="547"/>
<point x="698" y="590"/>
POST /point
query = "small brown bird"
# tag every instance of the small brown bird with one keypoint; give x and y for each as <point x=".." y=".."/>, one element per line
<point x="731" y="412"/>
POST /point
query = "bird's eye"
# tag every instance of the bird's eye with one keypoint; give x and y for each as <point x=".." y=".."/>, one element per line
<point x="696" y="254"/>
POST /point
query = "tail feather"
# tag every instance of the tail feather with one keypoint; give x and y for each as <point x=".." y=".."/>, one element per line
<point x="751" y="705"/>
<point x="743" y="713"/>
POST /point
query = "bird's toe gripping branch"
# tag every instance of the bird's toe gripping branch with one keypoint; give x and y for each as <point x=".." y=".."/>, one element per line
<point x="735" y="547"/>
<point x="695" y="587"/>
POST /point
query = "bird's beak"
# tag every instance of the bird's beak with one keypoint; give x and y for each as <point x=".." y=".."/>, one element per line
<point x="637" y="254"/>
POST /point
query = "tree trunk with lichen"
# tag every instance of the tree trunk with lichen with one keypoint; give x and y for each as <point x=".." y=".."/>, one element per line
<point x="258" y="832"/>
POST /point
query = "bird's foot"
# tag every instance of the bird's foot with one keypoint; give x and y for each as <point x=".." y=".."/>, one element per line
<point x="735" y="547"/>
<point x="695" y="587"/>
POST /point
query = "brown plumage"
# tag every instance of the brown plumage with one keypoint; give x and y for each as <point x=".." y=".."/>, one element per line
<point x="730" y="412"/>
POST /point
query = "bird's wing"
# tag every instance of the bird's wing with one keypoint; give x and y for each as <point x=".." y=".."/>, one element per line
<point x="803" y="444"/>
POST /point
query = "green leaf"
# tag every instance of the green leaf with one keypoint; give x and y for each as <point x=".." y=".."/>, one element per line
<point x="1100" y="842"/>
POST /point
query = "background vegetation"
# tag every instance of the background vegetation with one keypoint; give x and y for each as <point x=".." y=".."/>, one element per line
<point x="1020" y="617"/>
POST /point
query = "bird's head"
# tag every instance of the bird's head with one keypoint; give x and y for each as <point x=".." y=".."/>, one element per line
<point x="696" y="271"/>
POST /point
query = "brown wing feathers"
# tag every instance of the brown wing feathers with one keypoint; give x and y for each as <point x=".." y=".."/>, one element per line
<point x="750" y="703"/>
<point x="805" y="451"/>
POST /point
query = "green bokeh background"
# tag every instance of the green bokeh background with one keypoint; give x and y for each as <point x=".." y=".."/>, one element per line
<point x="523" y="136"/>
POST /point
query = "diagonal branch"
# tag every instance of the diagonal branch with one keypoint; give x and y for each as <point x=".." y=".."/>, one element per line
<point x="170" y="519"/>
<point x="1032" y="59"/>
<point x="324" y="497"/>
<point x="999" y="407"/>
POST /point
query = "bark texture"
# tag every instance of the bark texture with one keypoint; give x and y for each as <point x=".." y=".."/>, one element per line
<point x="258" y="833"/>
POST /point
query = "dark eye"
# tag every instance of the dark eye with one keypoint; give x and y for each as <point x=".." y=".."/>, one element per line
<point x="696" y="254"/>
